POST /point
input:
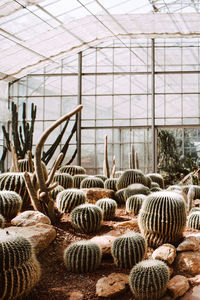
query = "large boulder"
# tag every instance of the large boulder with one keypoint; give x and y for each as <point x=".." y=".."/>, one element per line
<point x="30" y="218"/>
<point x="113" y="285"/>
<point x="94" y="194"/>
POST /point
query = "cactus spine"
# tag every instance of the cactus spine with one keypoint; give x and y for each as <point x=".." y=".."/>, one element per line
<point x="66" y="180"/>
<point x="148" y="279"/>
<point x="162" y="218"/>
<point x="111" y="184"/>
<point x="194" y="220"/>
<point x="134" y="203"/>
<point x="87" y="218"/>
<point x="10" y="204"/>
<point x="130" y="176"/>
<point x="108" y="207"/>
<point x="72" y="170"/>
<point x="67" y="200"/>
<point x="92" y="182"/>
<point x="82" y="257"/>
<point x="128" y="249"/>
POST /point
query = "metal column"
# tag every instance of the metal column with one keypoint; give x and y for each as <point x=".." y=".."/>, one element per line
<point x="79" y="101"/>
<point x="154" y="156"/>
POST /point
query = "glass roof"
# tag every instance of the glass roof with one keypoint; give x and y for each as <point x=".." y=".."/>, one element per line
<point x="38" y="33"/>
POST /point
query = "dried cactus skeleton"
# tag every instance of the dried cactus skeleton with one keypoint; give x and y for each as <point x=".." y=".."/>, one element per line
<point x="40" y="185"/>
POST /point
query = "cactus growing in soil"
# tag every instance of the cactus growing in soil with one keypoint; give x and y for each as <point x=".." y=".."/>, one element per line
<point x="56" y="191"/>
<point x="156" y="177"/>
<point x="87" y="218"/>
<point x="154" y="184"/>
<point x="72" y="170"/>
<point x="111" y="184"/>
<point x="194" y="220"/>
<point x="136" y="188"/>
<point x="134" y="203"/>
<point x="128" y="249"/>
<point x="148" y="279"/>
<point x="82" y="257"/>
<point x="108" y="207"/>
<point x="148" y="181"/>
<point x="130" y="176"/>
<point x="120" y="197"/>
<point x="67" y="200"/>
<point x="10" y="204"/>
<point x="155" y="189"/>
<point x="92" y="182"/>
<point x="162" y="218"/>
<point x="64" y="179"/>
<point x="103" y="177"/>
<point x="77" y="180"/>
<point x="2" y="221"/>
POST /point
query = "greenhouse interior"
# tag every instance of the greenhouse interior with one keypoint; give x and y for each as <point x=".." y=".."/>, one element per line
<point x="110" y="91"/>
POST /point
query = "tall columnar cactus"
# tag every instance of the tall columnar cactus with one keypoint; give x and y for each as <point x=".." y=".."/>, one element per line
<point x="56" y="191"/>
<point x="77" y="180"/>
<point x="194" y="220"/>
<point x="162" y="218"/>
<point x="16" y="182"/>
<point x="108" y="207"/>
<point x="2" y="221"/>
<point x="19" y="269"/>
<point x="156" y="177"/>
<point x="136" y="188"/>
<point x="67" y="200"/>
<point x="148" y="279"/>
<point x="72" y="170"/>
<point x="92" y="182"/>
<point x="120" y="197"/>
<point x="87" y="218"/>
<point x="64" y="179"/>
<point x="134" y="203"/>
<point x="111" y="184"/>
<point x="130" y="176"/>
<point x="128" y="249"/>
<point x="82" y="257"/>
<point x="10" y="204"/>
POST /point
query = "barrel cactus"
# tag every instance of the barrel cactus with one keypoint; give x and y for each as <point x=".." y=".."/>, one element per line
<point x="136" y="188"/>
<point x="118" y="174"/>
<point x="154" y="184"/>
<point x="162" y="218"/>
<point x="16" y="182"/>
<point x="120" y="197"/>
<point x="64" y="179"/>
<point x="194" y="220"/>
<point x="148" y="181"/>
<point x="2" y="221"/>
<point x="56" y="191"/>
<point x="148" y="279"/>
<point x="108" y="207"/>
<point x="128" y="249"/>
<point x="72" y="170"/>
<point x="77" y="180"/>
<point x="111" y="184"/>
<point x="155" y="189"/>
<point x="82" y="257"/>
<point x="92" y="182"/>
<point x="103" y="177"/>
<point x="174" y="188"/>
<point x="134" y="203"/>
<point x="10" y="204"/>
<point x="156" y="177"/>
<point x="87" y="218"/>
<point x="195" y="209"/>
<point x="23" y="165"/>
<point x="130" y="176"/>
<point x="68" y="199"/>
<point x="193" y="193"/>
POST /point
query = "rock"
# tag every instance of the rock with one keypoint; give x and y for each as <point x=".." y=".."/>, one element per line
<point x="104" y="241"/>
<point x="94" y="194"/>
<point x="188" y="262"/>
<point x="40" y="235"/>
<point x="166" y="252"/>
<point x="132" y="224"/>
<point x="75" y="296"/>
<point x="196" y="235"/>
<point x="29" y="218"/>
<point x="194" y="280"/>
<point x="189" y="243"/>
<point x="113" y="285"/>
<point x="178" y="286"/>
<point x="196" y="202"/>
<point x="192" y="295"/>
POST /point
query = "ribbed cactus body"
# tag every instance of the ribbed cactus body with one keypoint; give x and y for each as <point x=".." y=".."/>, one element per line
<point x="156" y="177"/>
<point x="64" y="179"/>
<point x="154" y="184"/>
<point x="194" y="220"/>
<point x="16" y="182"/>
<point x="92" y="182"/>
<point x="162" y="218"/>
<point x="77" y="180"/>
<point x="129" y="177"/>
<point x="103" y="177"/>
<point x="87" y="218"/>
<point x="111" y="184"/>
<point x="134" y="203"/>
<point x="120" y="197"/>
<point x="72" y="170"/>
<point x="195" y="209"/>
<point x="128" y="249"/>
<point x="148" y="181"/>
<point x="136" y="188"/>
<point x="108" y="207"/>
<point x="67" y="200"/>
<point x="10" y="204"/>
<point x="82" y="257"/>
<point x="23" y="165"/>
<point x="174" y="187"/>
<point x="2" y="221"/>
<point x="148" y="279"/>
<point x="53" y="194"/>
<point x="118" y="174"/>
<point x="155" y="189"/>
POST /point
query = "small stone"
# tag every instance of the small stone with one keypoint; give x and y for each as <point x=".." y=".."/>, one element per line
<point x="189" y="243"/>
<point x="113" y="285"/>
<point x="188" y="262"/>
<point x="132" y="224"/>
<point x="105" y="242"/>
<point x="30" y="218"/>
<point x="194" y="280"/>
<point x="178" y="286"/>
<point x="75" y="296"/>
<point x="166" y="252"/>
<point x="194" y="294"/>
<point x="94" y="194"/>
